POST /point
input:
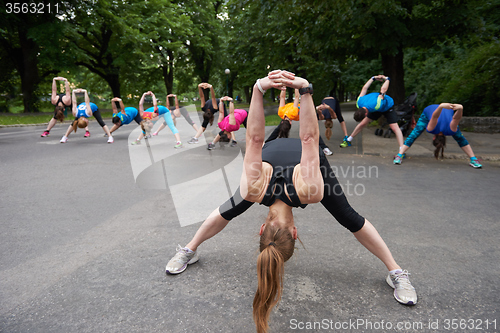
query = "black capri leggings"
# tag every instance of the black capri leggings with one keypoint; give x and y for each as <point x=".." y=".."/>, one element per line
<point x="186" y="116"/>
<point x="97" y="116"/>
<point x="334" y="201"/>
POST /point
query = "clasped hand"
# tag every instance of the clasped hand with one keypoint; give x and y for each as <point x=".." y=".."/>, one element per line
<point x="279" y="79"/>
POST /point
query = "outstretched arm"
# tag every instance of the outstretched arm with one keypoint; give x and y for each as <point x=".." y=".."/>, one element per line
<point x="282" y="98"/>
<point x="87" y="102"/>
<point x="385" y="86"/>
<point x="232" y="119"/>
<point x="155" y="102"/>
<point x="214" y="101"/>
<point x="297" y="99"/>
<point x="73" y="104"/>
<point x="367" y="85"/>
<point x="457" y="116"/>
<point x="141" y="103"/>
<point x="53" y="98"/>
<point x="435" y="116"/>
<point x="307" y="176"/>
<point x="113" y="105"/>
<point x="221" y="107"/>
<point x="202" y="86"/>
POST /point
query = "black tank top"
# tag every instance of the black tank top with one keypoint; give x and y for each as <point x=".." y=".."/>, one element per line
<point x="283" y="155"/>
<point x="61" y="101"/>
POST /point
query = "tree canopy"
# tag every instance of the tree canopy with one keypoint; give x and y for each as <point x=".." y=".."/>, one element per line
<point x="445" y="50"/>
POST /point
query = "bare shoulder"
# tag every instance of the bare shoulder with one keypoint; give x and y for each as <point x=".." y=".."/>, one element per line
<point x="309" y="189"/>
<point x="256" y="190"/>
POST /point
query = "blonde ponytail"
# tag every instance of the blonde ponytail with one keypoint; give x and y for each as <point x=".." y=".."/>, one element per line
<point x="276" y="246"/>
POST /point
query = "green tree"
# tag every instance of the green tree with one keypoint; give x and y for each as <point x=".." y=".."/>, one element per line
<point x="30" y="45"/>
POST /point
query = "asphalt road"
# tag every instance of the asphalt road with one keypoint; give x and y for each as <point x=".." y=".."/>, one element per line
<point x="88" y="227"/>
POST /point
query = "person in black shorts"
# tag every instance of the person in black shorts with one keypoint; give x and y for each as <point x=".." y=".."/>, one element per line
<point x="328" y="110"/>
<point x="283" y="174"/>
<point x="209" y="108"/>
<point x="372" y="106"/>
<point x="61" y="102"/>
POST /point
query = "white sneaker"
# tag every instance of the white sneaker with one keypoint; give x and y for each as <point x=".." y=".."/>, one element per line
<point x="181" y="260"/>
<point x="404" y="292"/>
<point x="111" y="140"/>
<point x="193" y="140"/>
<point x="327" y="151"/>
<point x="64" y="139"/>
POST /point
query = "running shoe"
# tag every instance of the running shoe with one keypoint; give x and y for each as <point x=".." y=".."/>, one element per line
<point x="136" y="142"/>
<point x="44" y="134"/>
<point x="64" y="139"/>
<point x="345" y="144"/>
<point x="155" y="133"/>
<point x="111" y="140"/>
<point x="87" y="134"/>
<point x="327" y="151"/>
<point x="475" y="164"/>
<point x="210" y="146"/>
<point x="193" y="140"/>
<point x="233" y="143"/>
<point x="404" y="292"/>
<point x="181" y="260"/>
<point x="178" y="145"/>
<point x="397" y="159"/>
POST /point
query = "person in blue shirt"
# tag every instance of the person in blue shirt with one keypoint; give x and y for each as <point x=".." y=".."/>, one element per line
<point x="151" y="115"/>
<point x="125" y="116"/>
<point x="176" y="112"/>
<point x="371" y="107"/>
<point x="441" y="120"/>
<point x="82" y="112"/>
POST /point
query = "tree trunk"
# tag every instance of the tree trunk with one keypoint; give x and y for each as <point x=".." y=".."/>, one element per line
<point x="393" y="67"/>
<point x="114" y="82"/>
<point x="248" y="97"/>
<point x="28" y="70"/>
<point x="168" y="74"/>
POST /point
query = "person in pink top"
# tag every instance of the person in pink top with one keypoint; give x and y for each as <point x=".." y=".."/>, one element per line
<point x="230" y="123"/>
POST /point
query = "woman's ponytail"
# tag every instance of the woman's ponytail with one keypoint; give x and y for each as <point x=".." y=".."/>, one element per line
<point x="439" y="142"/>
<point x="276" y="247"/>
<point x="270" y="270"/>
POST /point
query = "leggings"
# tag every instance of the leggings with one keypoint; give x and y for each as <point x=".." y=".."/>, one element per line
<point x="422" y="125"/>
<point x="97" y="116"/>
<point x="170" y="122"/>
<point x="186" y="116"/>
<point x="333" y="200"/>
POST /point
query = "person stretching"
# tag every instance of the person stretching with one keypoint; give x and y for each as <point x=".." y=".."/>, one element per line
<point x="230" y="123"/>
<point x="125" y="116"/>
<point x="371" y="107"/>
<point x="176" y="113"/>
<point x="60" y="101"/>
<point x="283" y="174"/>
<point x="328" y="110"/>
<point x="82" y="113"/>
<point x="151" y="115"/>
<point x="441" y="120"/>
<point x="209" y="108"/>
<point x="287" y="113"/>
